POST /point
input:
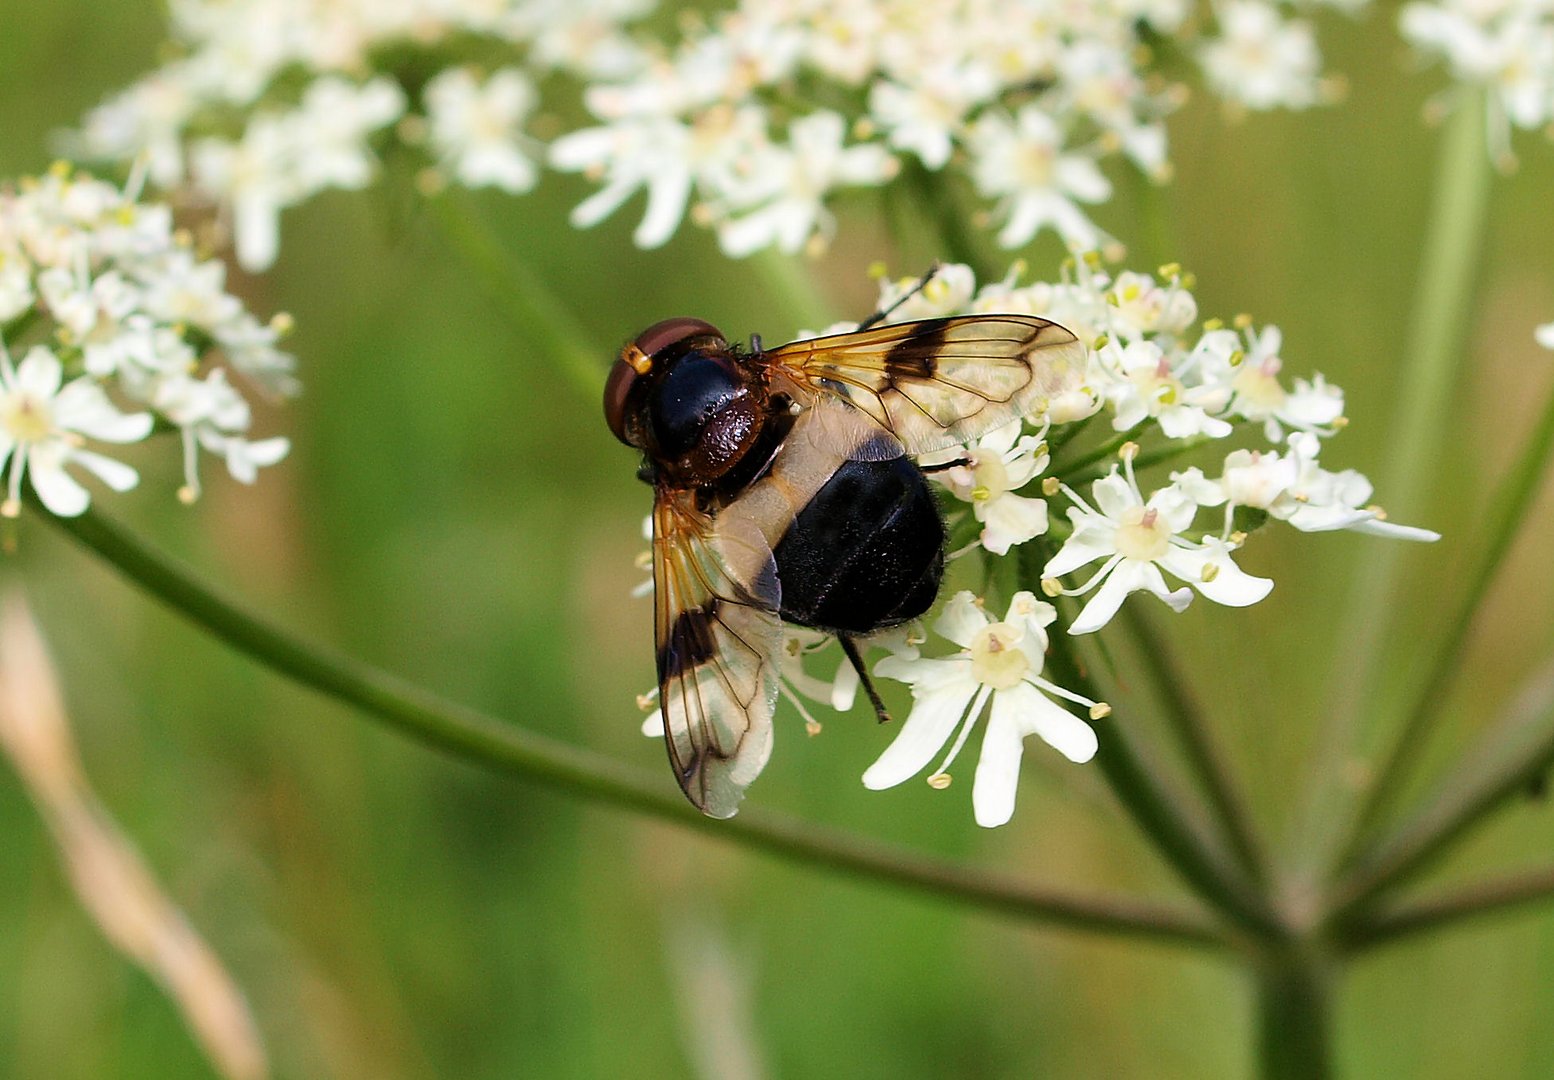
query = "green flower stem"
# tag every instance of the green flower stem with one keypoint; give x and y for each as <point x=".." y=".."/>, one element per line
<point x="1434" y="913"/>
<point x="1507" y="511"/>
<point x="1295" y="1012"/>
<point x="1178" y="832"/>
<point x="1185" y="716"/>
<point x="1514" y="757"/>
<point x="504" y="747"/>
<point x="533" y="307"/>
<point x="1429" y="365"/>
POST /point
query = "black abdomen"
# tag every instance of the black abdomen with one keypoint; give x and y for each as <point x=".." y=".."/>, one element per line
<point x="866" y="553"/>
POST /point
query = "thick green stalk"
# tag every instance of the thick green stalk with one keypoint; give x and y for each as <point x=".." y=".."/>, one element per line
<point x="1507" y="510"/>
<point x="535" y="309"/>
<point x="1429" y="370"/>
<point x="505" y="747"/>
<point x="1295" y="1013"/>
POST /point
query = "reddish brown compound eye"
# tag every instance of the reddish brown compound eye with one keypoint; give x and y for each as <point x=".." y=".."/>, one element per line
<point x="661" y="335"/>
<point x="617" y="388"/>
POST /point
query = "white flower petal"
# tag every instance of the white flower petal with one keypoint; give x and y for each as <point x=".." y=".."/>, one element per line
<point x="1084" y="546"/>
<point x="57" y="490"/>
<point x="1113" y="495"/>
<point x="932" y="721"/>
<point x="998" y="766"/>
<point x="1011" y="519"/>
<point x="961" y="618"/>
<point x="1225" y="584"/>
<point x="116" y="474"/>
<point x="39" y="373"/>
<point x="1124" y="578"/>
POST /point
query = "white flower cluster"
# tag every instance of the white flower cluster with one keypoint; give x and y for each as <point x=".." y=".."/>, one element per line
<point x="110" y="325"/>
<point x="269" y="102"/>
<point x="755" y="119"/>
<point x="1505" y="46"/>
<point x="751" y="122"/>
<point x="1160" y="384"/>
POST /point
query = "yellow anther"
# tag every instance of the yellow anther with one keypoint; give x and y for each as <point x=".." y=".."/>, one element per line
<point x="1209" y="572"/>
<point x="1100" y="711"/>
<point x="1051" y="587"/>
<point x="939" y="781"/>
<point x="1050" y="485"/>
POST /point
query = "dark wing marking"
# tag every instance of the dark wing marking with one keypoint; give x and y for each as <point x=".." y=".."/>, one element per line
<point x="939" y="382"/>
<point x="716" y="598"/>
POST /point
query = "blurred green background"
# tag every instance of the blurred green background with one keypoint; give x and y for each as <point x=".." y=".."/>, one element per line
<point x="453" y="511"/>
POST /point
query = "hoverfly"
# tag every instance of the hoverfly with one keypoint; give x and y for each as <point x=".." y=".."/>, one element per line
<point x="784" y="490"/>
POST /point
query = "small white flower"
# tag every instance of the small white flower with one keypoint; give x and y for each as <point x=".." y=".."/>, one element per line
<point x="787" y="186"/>
<point x="1001" y="462"/>
<point x="1293" y="487"/>
<point x="16" y="293"/>
<point x="1506" y="47"/>
<point x="1263" y="61"/>
<point x="1135" y="540"/>
<point x="925" y="115"/>
<point x="1258" y="395"/>
<point x="1544" y="335"/>
<point x="41" y="431"/>
<point x="252" y="177"/>
<point x="329" y="132"/>
<point x="1021" y="162"/>
<point x="661" y="154"/>
<point x="1141" y="306"/>
<point x="477" y="130"/>
<point x="1321" y="501"/>
<point x="1144" y="386"/>
<point x="999" y="662"/>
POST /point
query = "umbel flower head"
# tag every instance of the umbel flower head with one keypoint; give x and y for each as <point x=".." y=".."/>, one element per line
<point x="1160" y="383"/>
<point x="265" y="103"/>
<point x="110" y="324"/>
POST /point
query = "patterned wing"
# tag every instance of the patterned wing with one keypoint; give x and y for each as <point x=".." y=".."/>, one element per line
<point x="940" y="382"/>
<point x="716" y="600"/>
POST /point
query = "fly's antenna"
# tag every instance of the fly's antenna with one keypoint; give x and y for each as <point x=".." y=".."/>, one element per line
<point x="884" y="313"/>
